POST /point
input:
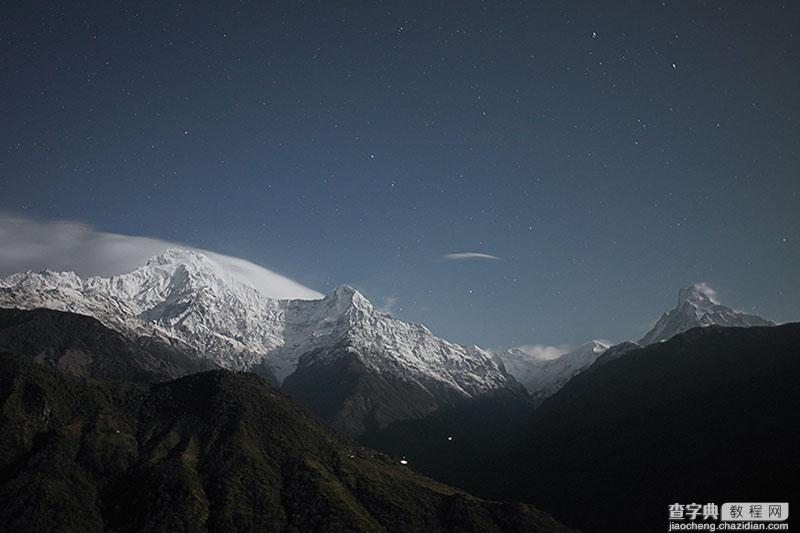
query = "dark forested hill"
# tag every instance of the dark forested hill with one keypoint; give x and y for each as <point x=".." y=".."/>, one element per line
<point x="212" y="451"/>
<point x="708" y="416"/>
<point x="82" y="346"/>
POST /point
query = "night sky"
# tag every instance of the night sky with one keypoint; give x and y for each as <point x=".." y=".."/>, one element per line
<point x="607" y="153"/>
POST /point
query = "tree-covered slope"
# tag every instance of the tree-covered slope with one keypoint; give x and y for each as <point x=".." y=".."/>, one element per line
<point x="710" y="415"/>
<point x="82" y="346"/>
<point x="214" y="451"/>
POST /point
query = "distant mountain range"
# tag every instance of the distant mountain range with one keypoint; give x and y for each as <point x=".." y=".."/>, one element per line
<point x="709" y="415"/>
<point x="383" y="369"/>
<point x="543" y="377"/>
<point x="355" y="366"/>
<point x="697" y="307"/>
<point x="90" y="397"/>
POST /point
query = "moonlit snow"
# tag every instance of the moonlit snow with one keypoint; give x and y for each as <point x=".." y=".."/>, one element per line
<point x="185" y="297"/>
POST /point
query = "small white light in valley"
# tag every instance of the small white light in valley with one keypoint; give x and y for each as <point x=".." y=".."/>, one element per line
<point x="449" y="438"/>
<point x="403" y="462"/>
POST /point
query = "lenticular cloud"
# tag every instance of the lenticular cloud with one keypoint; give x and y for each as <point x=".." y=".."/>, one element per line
<point x="29" y="244"/>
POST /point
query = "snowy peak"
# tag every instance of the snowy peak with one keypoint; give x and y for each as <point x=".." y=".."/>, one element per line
<point x="543" y="372"/>
<point x="189" y="299"/>
<point x="385" y="344"/>
<point x="698" y="306"/>
<point x="698" y="295"/>
<point x="175" y="260"/>
<point x="184" y="288"/>
<point x="345" y="297"/>
<point x="172" y="271"/>
<point x="193" y="303"/>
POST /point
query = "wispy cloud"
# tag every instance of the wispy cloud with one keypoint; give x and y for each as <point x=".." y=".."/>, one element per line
<point x="468" y="256"/>
<point x="389" y="304"/>
<point x="27" y="244"/>
<point x="543" y="352"/>
<point x="706" y="289"/>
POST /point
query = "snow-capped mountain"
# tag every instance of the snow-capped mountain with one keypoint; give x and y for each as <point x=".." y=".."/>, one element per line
<point x="187" y="299"/>
<point x="179" y="295"/>
<point x="544" y="376"/>
<point x="698" y="307"/>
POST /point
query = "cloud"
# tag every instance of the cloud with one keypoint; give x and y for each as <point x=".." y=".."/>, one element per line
<point x="468" y="256"/>
<point x="543" y="352"/>
<point x="27" y="244"/>
<point x="389" y="304"/>
<point x="706" y="289"/>
<point x="269" y="283"/>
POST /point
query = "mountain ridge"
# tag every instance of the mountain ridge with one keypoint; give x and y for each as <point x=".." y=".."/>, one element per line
<point x="697" y="306"/>
<point x="182" y="298"/>
<point x="706" y="416"/>
<point x="82" y="346"/>
<point x="706" y="413"/>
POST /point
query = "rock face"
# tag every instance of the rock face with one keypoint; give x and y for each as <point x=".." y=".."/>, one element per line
<point x="698" y="307"/>
<point x="184" y="299"/>
<point x="214" y="451"/>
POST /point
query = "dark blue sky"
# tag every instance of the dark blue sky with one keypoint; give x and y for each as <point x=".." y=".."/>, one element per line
<point x="608" y="153"/>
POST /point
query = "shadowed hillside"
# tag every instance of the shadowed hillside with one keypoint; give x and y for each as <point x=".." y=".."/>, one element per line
<point x="82" y="346"/>
<point x="708" y="416"/>
<point x="213" y="451"/>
